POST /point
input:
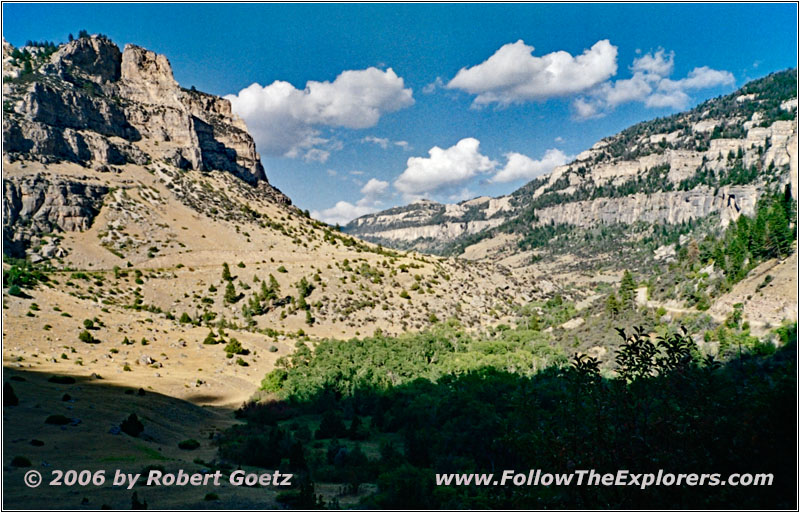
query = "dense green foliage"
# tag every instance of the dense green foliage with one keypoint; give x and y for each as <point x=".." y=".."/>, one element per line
<point x="412" y="414"/>
<point x="22" y="274"/>
<point x="382" y="362"/>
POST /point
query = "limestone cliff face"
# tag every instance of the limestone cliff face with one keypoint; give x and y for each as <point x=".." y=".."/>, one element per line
<point x="38" y="204"/>
<point x="428" y="226"/>
<point x="89" y="103"/>
<point x="130" y="98"/>
<point x="659" y="207"/>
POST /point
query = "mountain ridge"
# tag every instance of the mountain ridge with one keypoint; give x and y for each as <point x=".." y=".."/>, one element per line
<point x="683" y="158"/>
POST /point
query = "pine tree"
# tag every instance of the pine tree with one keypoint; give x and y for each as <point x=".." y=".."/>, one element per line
<point x="226" y="272"/>
<point x="626" y="288"/>
<point x="780" y="235"/>
<point x="274" y="288"/>
<point x="230" y="293"/>
<point x="612" y="305"/>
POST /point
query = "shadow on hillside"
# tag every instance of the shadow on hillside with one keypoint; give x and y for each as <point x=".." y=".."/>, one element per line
<point x="87" y="436"/>
<point x="697" y="418"/>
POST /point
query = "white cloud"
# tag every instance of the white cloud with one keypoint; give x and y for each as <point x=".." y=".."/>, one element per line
<point x="433" y="86"/>
<point x="674" y="99"/>
<point x="651" y="85"/>
<point x="659" y="63"/>
<point x="343" y="211"/>
<point x="585" y="109"/>
<point x="514" y="75"/>
<point x="699" y="78"/>
<point x="374" y="189"/>
<point x="444" y="169"/>
<point x="316" y="155"/>
<point x="286" y="121"/>
<point x="384" y="143"/>
<point x="559" y="139"/>
<point x="380" y="141"/>
<point x="519" y="166"/>
<point x="461" y="195"/>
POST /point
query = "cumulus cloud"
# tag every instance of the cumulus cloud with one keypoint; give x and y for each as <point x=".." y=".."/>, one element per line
<point x="519" y="166"/>
<point x="343" y="211"/>
<point x="649" y="84"/>
<point x="513" y="74"/>
<point x="287" y="121"/>
<point x="443" y="169"/>
<point x="374" y="189"/>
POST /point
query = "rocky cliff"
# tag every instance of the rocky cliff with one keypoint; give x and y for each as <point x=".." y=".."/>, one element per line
<point x="717" y="158"/>
<point x="88" y="103"/>
<point x="92" y="104"/>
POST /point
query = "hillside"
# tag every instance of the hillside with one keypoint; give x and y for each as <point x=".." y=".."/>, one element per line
<point x="165" y="306"/>
<point x="145" y="247"/>
<point x="714" y="160"/>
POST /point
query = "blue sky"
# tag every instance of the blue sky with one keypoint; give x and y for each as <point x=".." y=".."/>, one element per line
<point x="359" y="107"/>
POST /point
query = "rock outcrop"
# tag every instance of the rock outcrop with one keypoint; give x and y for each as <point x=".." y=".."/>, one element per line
<point x="38" y="204"/>
<point x="659" y="207"/>
<point x="88" y="103"/>
<point x="89" y="88"/>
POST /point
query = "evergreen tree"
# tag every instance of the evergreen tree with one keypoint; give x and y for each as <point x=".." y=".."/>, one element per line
<point x="780" y="235"/>
<point x="612" y="305"/>
<point x="274" y="288"/>
<point x="226" y="272"/>
<point x="230" y="293"/>
<point x="626" y="290"/>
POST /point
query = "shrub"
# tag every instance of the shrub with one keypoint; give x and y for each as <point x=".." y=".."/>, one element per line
<point x="331" y="426"/>
<point x="20" y="461"/>
<point x="132" y="426"/>
<point x="235" y="347"/>
<point x="9" y="397"/>
<point x="62" y="380"/>
<point x="189" y="445"/>
<point x="87" y="337"/>
<point x="57" y="420"/>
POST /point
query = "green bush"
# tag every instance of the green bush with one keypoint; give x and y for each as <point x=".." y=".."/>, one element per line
<point x="20" y="461"/>
<point x="57" y="420"/>
<point x="189" y="445"/>
<point x="85" y="336"/>
<point x="132" y="426"/>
